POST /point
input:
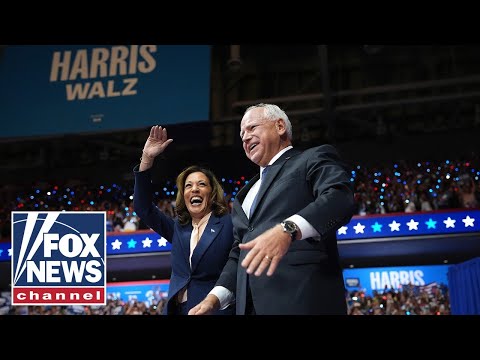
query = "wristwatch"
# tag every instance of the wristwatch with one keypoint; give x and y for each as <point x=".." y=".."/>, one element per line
<point x="290" y="227"/>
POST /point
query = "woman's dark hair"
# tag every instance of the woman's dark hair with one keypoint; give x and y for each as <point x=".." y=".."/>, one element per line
<point x="217" y="199"/>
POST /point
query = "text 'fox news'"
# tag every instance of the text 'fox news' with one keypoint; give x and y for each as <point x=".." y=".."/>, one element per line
<point x="58" y="258"/>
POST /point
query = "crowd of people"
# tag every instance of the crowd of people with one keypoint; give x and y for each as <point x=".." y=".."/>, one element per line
<point x="421" y="186"/>
<point x="113" y="307"/>
<point x="396" y="187"/>
<point x="409" y="300"/>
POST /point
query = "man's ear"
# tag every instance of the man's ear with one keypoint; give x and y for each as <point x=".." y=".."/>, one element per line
<point x="280" y="126"/>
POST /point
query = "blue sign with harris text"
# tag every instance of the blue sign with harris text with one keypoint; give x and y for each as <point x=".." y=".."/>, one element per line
<point x="56" y="90"/>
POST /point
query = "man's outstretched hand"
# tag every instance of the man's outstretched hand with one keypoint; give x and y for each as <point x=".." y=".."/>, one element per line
<point x="206" y="307"/>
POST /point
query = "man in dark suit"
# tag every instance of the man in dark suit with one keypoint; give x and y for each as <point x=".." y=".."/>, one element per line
<point x="285" y="258"/>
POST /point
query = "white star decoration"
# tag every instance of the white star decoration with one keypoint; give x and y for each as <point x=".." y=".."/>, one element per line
<point x="10" y="251"/>
<point x="449" y="223"/>
<point x="162" y="242"/>
<point x="412" y="225"/>
<point x="359" y="228"/>
<point x="468" y="221"/>
<point x="414" y="228"/>
<point x="116" y="244"/>
<point x="343" y="230"/>
<point x="394" y="226"/>
<point x="147" y="242"/>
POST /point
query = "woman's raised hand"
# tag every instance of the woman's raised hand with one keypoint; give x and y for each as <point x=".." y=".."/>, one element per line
<point x="157" y="142"/>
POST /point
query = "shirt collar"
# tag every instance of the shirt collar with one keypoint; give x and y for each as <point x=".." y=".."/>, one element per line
<point x="202" y="220"/>
<point x="275" y="158"/>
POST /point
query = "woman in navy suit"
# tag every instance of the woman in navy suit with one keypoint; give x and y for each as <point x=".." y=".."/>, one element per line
<point x="202" y="234"/>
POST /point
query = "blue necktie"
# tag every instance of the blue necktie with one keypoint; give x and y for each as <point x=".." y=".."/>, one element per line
<point x="254" y="203"/>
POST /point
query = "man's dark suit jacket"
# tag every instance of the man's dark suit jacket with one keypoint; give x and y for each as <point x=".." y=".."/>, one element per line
<point x="209" y="256"/>
<point x="316" y="185"/>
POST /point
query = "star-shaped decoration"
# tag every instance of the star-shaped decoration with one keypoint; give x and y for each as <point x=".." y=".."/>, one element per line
<point x="343" y="230"/>
<point x="412" y="225"/>
<point x="468" y="221"/>
<point x="10" y="251"/>
<point x="147" y="242"/>
<point x="131" y="244"/>
<point x="359" y="228"/>
<point x="394" y="226"/>
<point x="449" y="223"/>
<point x="377" y="227"/>
<point x="431" y="224"/>
<point x="162" y="242"/>
<point x="116" y="244"/>
<point x="1" y="251"/>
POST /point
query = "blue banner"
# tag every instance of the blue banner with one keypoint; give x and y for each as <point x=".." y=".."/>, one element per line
<point x="117" y="244"/>
<point x="387" y="278"/>
<point x="360" y="227"/>
<point x="414" y="224"/>
<point x="55" y="90"/>
<point x="134" y="243"/>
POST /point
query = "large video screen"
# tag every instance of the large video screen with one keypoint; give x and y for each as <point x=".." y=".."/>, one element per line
<point x="380" y="279"/>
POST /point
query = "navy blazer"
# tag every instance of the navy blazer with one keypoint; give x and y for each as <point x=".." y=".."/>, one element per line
<point x="316" y="185"/>
<point x="208" y="258"/>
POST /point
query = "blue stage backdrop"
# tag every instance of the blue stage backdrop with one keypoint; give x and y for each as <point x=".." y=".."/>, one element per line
<point x="136" y="242"/>
<point x="379" y="278"/>
<point x="53" y="90"/>
<point x="410" y="224"/>
<point x="464" y="281"/>
<point x="358" y="230"/>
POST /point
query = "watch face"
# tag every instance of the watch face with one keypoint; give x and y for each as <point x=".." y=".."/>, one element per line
<point x="290" y="226"/>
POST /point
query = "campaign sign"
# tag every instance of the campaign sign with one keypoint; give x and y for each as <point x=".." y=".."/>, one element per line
<point x="58" y="258"/>
<point x="382" y="279"/>
<point x="53" y="90"/>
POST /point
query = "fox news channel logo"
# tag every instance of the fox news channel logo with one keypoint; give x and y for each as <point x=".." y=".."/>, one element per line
<point x="58" y="258"/>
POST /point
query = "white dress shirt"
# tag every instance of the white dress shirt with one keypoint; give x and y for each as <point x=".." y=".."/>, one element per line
<point x="197" y="232"/>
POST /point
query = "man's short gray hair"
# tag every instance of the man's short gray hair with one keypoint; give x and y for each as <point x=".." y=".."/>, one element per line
<point x="273" y="112"/>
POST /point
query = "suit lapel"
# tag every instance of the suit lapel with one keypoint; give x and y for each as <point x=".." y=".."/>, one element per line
<point x="272" y="174"/>
<point x="212" y="230"/>
<point x="186" y="233"/>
